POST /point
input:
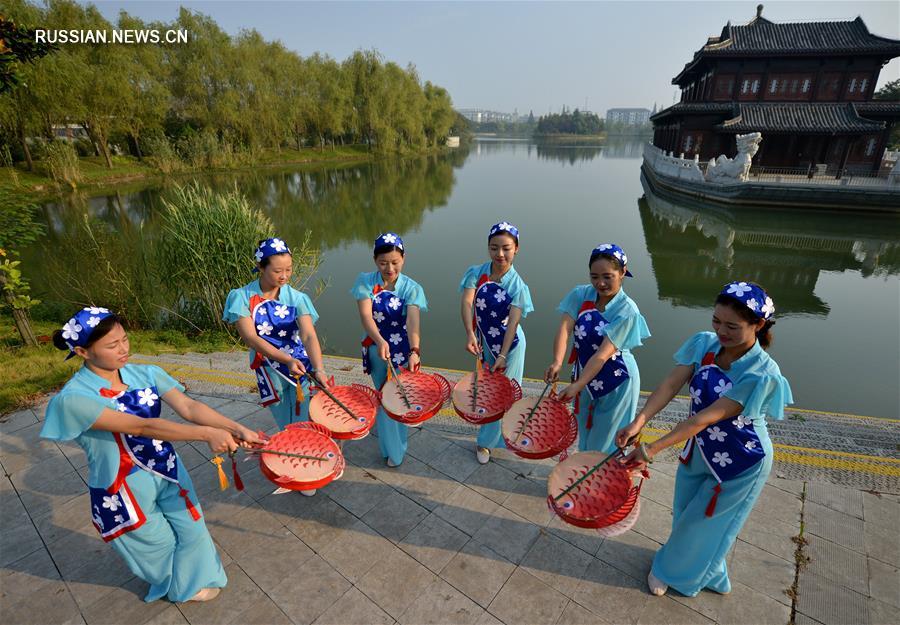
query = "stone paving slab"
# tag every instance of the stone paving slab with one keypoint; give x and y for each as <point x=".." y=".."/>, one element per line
<point x="440" y="539"/>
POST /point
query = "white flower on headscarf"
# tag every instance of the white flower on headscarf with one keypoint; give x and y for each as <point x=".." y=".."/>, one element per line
<point x="259" y="255"/>
<point x="389" y="238"/>
<point x="721" y="458"/>
<point x="281" y="311"/>
<point x="716" y="434"/>
<point x="603" y="247"/>
<point x="278" y="245"/>
<point x="739" y="288"/>
<point x="147" y="397"/>
<point x="265" y="328"/>
<point x="93" y="321"/>
<point x="752" y="304"/>
<point x="96" y="310"/>
<point x="71" y="330"/>
<point x="768" y="308"/>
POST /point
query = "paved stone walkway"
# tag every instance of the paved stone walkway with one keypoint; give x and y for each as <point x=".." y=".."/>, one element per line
<point x="440" y="539"/>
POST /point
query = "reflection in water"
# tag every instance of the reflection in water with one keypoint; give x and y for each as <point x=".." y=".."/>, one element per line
<point x="339" y="204"/>
<point x="625" y="146"/>
<point x="568" y="154"/>
<point x="785" y="251"/>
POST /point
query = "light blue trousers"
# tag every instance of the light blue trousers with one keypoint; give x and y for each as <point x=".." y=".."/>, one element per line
<point x="171" y="551"/>
<point x="392" y="435"/>
<point x="694" y="556"/>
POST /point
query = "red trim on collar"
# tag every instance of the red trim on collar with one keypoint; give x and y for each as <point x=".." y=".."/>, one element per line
<point x="708" y="359"/>
<point x="481" y="280"/>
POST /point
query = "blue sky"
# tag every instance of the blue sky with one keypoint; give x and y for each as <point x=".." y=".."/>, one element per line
<point x="525" y="55"/>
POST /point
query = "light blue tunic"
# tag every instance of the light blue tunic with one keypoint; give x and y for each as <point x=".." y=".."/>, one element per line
<point x="170" y="551"/>
<point x="693" y="557"/>
<point x="626" y="329"/>
<point x="392" y="435"/>
<point x="237" y="305"/>
<point x="490" y="435"/>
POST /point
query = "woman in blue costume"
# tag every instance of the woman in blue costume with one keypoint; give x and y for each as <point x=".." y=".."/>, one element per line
<point x="142" y="499"/>
<point x="389" y="305"/>
<point x="734" y="386"/>
<point x="607" y="325"/>
<point x="494" y="301"/>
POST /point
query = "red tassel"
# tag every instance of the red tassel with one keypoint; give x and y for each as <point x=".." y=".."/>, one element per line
<point x="238" y="483"/>
<point x="190" y="506"/>
<point x="590" y="419"/>
<point x="711" y="506"/>
<point x="577" y="402"/>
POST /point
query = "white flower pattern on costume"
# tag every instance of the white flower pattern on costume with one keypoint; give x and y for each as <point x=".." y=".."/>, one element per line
<point x="480" y="304"/>
<point x="721" y="458"/>
<point x="295" y="337"/>
<point x="500" y="295"/>
<point x="741" y="421"/>
<point x="265" y="328"/>
<point x="147" y="397"/>
<point x="395" y="339"/>
<point x="157" y="444"/>
<point x="170" y="462"/>
<point x="151" y="463"/>
<point x="494" y="331"/>
<point x="378" y="316"/>
<point x="112" y="503"/>
<point x="750" y="444"/>
<point x="722" y="387"/>
<point x="281" y="311"/>
<point x="122" y="407"/>
<point x="716" y="434"/>
<point x="282" y="333"/>
<point x="580" y="332"/>
<point x="739" y="288"/>
<point x="597" y="385"/>
<point x="496" y="348"/>
<point x="119" y="518"/>
<point x="695" y="395"/>
<point x="394" y="303"/>
<point x="398" y="358"/>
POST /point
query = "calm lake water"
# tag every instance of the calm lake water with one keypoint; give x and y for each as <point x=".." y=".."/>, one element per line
<point x="834" y="278"/>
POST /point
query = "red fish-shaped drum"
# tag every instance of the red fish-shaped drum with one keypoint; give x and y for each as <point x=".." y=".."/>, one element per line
<point x="606" y="500"/>
<point x="306" y="458"/>
<point x="361" y="403"/>
<point x="488" y="400"/>
<point x="425" y="392"/>
<point x="550" y="429"/>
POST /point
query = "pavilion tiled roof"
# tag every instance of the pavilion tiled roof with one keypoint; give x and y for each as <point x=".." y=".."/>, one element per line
<point x="761" y="37"/>
<point x="694" y="107"/>
<point x="815" y="117"/>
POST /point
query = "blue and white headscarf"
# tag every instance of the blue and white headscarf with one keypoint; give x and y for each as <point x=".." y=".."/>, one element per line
<point x="752" y="296"/>
<point x="77" y="331"/>
<point x="504" y="226"/>
<point x="389" y="238"/>
<point x="270" y="247"/>
<point x="611" y="249"/>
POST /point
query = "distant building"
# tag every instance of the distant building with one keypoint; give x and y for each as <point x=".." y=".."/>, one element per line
<point x="483" y="115"/>
<point x="806" y="86"/>
<point x="628" y="117"/>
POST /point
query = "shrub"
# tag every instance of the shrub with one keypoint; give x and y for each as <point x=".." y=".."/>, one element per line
<point x="62" y="163"/>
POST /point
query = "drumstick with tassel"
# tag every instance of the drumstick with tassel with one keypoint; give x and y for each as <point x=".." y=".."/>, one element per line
<point x="399" y="384"/>
<point x="324" y="388"/>
<point x="477" y="368"/>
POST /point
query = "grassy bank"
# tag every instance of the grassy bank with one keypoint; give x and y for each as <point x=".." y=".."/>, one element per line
<point x="95" y="175"/>
<point x="564" y="139"/>
<point x="30" y="372"/>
